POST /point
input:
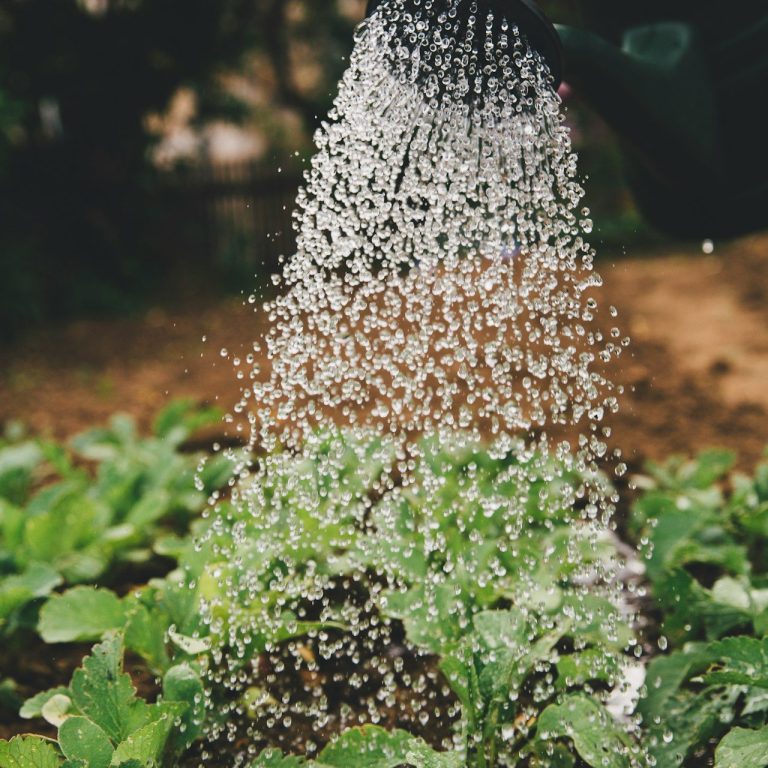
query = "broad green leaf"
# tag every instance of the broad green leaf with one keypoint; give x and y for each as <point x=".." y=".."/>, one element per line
<point x="82" y="739"/>
<point x="182" y="684"/>
<point x="17" y="463"/>
<point x="732" y="593"/>
<point x="146" y="744"/>
<point x="577" y="669"/>
<point x="145" y="633"/>
<point x="690" y="611"/>
<point x="423" y="756"/>
<point x="689" y="720"/>
<point x="104" y="693"/>
<point x="9" y="696"/>
<point x="33" y="707"/>
<point x="503" y="629"/>
<point x="149" y="508"/>
<point x="72" y="523"/>
<point x="194" y="646"/>
<point x="81" y="614"/>
<point x="462" y="677"/>
<point x="369" y="747"/>
<point x="709" y="467"/>
<point x="183" y="418"/>
<point x="12" y="521"/>
<point x="550" y="755"/>
<point x="56" y="710"/>
<point x="743" y="748"/>
<point x="586" y="723"/>
<point x="744" y="661"/>
<point x="664" y="677"/>
<point x="85" y="565"/>
<point x="38" y="580"/>
<point x="28" y="752"/>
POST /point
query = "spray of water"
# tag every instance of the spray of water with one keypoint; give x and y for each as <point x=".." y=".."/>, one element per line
<point x="441" y="298"/>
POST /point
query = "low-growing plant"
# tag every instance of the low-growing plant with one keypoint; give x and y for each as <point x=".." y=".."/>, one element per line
<point x="705" y="539"/>
<point x="101" y="721"/>
<point x="64" y="522"/>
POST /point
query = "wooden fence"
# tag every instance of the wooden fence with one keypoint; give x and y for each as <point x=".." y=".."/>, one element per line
<point x="234" y="218"/>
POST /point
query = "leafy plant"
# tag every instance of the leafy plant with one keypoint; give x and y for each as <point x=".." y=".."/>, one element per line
<point x="101" y="721"/>
<point x="60" y="524"/>
<point x="505" y="645"/>
<point x="530" y="654"/>
<point x="708" y="699"/>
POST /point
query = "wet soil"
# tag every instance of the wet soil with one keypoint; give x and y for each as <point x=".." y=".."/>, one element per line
<point x="696" y="374"/>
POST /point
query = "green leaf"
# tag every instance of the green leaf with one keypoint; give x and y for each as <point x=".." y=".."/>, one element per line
<point x="744" y="662"/>
<point x="182" y="418"/>
<point x="145" y="632"/>
<point x="743" y="748"/>
<point x="193" y="646"/>
<point x="56" y="710"/>
<point x="146" y="744"/>
<point x="150" y="508"/>
<point x="462" y="677"/>
<point x="33" y="707"/>
<point x="72" y="522"/>
<point x="81" y="614"/>
<point x="182" y="684"/>
<point x="578" y="669"/>
<point x="28" y="752"/>
<point x="423" y="756"/>
<point x="549" y="755"/>
<point x="81" y="739"/>
<point x="17" y="463"/>
<point x="689" y="720"/>
<point x="591" y="729"/>
<point x="370" y="747"/>
<point x="9" y="697"/>
<point x="104" y="693"/>
<point x="38" y="580"/>
<point x="664" y="677"/>
<point x="502" y="629"/>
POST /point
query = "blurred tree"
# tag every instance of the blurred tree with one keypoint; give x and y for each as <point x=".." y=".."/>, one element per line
<point x="78" y="79"/>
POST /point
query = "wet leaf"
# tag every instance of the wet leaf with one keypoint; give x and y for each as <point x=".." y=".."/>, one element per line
<point x="81" y="614"/>
<point x="28" y="752"/>
<point x="743" y="748"/>
<point x="81" y="739"/>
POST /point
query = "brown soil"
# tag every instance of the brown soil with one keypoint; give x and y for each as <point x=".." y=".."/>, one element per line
<point x="696" y="374"/>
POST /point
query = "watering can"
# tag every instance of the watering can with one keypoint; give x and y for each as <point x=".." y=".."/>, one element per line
<point x="684" y="84"/>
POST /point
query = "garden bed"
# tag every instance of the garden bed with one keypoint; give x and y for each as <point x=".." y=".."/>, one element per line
<point x="693" y="380"/>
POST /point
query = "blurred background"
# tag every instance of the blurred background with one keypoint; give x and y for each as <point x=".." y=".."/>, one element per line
<point x="150" y="152"/>
<point x="148" y="149"/>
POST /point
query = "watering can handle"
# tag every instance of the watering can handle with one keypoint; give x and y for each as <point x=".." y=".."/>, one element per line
<point x="654" y="91"/>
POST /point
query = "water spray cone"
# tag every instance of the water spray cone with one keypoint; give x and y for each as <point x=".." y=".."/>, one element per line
<point x="531" y="23"/>
<point x="681" y="83"/>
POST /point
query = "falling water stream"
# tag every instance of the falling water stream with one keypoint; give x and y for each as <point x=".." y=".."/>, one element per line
<point x="442" y="296"/>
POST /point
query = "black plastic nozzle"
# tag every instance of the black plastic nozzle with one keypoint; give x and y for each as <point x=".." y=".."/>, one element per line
<point x="523" y="14"/>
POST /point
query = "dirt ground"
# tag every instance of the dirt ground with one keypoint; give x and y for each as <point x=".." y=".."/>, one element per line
<point x="696" y="374"/>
